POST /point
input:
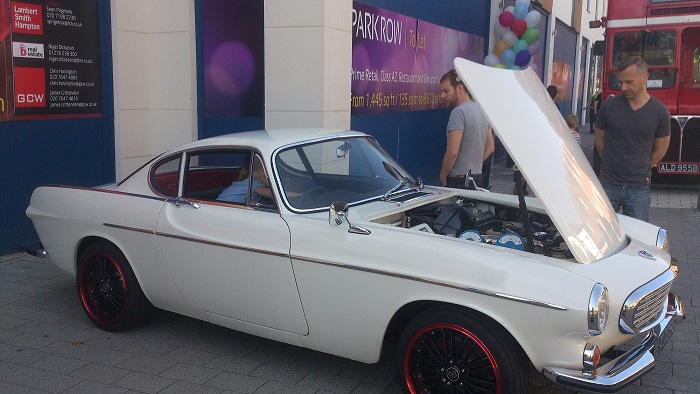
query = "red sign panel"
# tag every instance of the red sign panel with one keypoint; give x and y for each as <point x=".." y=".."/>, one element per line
<point x="27" y="18"/>
<point x="30" y="87"/>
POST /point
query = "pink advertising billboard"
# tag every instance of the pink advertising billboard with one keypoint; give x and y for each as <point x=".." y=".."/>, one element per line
<point x="397" y="61"/>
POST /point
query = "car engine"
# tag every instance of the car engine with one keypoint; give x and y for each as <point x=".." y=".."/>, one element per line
<point x="477" y="221"/>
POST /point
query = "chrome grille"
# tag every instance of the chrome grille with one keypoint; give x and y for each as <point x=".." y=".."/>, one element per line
<point x="645" y="307"/>
<point x="650" y="307"/>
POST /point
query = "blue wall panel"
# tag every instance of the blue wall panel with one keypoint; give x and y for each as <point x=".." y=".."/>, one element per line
<point x="416" y="139"/>
<point x="76" y="152"/>
<point x="214" y="126"/>
<point x="8" y="181"/>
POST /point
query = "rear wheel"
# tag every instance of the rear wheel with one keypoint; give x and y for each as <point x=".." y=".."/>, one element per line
<point x="447" y="351"/>
<point x="108" y="289"/>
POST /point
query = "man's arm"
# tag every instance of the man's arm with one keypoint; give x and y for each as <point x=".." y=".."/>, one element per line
<point x="659" y="150"/>
<point x="264" y="191"/>
<point x="454" y="139"/>
<point x="490" y="144"/>
<point x="599" y="141"/>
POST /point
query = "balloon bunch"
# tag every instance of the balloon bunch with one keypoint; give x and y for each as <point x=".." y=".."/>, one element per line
<point x="517" y="27"/>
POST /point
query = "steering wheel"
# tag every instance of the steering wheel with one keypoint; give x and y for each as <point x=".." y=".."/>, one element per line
<point x="310" y="196"/>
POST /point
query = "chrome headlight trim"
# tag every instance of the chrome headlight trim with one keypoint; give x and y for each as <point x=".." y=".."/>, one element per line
<point x="598" y="309"/>
<point x="662" y="240"/>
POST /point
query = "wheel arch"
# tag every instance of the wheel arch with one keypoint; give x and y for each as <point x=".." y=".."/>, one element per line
<point x="85" y="243"/>
<point x="403" y="316"/>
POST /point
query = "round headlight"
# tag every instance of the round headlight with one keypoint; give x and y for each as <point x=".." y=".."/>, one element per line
<point x="597" y="309"/>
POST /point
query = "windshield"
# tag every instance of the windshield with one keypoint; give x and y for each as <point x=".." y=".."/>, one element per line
<point x="351" y="170"/>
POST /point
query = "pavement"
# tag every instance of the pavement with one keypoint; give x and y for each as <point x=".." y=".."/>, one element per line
<point x="47" y="344"/>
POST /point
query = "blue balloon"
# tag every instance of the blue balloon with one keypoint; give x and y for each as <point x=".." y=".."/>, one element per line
<point x="523" y="58"/>
<point x="508" y="57"/>
<point x="520" y="11"/>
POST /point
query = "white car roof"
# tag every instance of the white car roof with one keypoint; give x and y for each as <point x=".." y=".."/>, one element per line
<point x="535" y="134"/>
<point x="267" y="140"/>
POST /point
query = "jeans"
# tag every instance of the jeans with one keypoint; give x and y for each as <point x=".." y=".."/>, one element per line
<point x="634" y="200"/>
<point x="486" y="172"/>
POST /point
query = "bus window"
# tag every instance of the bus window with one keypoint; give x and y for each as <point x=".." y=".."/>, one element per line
<point x="657" y="47"/>
<point x="696" y="66"/>
<point x="658" y="79"/>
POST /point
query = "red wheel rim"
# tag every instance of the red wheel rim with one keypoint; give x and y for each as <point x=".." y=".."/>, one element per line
<point x="445" y="357"/>
<point x="102" y="288"/>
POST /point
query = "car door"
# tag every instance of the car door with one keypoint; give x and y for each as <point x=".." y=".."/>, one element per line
<point x="229" y="259"/>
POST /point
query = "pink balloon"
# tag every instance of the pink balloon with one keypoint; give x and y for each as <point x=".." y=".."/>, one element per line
<point x="506" y="18"/>
<point x="519" y="26"/>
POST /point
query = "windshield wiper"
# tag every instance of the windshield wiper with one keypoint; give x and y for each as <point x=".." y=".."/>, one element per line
<point x="393" y="189"/>
<point x="416" y="183"/>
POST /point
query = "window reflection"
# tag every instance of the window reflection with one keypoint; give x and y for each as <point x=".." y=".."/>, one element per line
<point x="657" y="47"/>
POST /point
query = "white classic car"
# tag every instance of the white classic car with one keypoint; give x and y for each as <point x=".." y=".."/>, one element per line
<point x="318" y="238"/>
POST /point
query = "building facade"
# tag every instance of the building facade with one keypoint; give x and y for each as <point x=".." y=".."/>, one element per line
<point x="169" y="74"/>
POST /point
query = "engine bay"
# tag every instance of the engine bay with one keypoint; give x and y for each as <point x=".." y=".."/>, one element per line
<point x="485" y="222"/>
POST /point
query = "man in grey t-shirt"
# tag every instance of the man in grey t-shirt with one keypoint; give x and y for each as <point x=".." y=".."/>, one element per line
<point x="469" y="138"/>
<point x="632" y="133"/>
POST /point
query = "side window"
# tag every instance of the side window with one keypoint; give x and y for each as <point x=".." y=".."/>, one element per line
<point x="261" y="190"/>
<point x="165" y="176"/>
<point x="217" y="175"/>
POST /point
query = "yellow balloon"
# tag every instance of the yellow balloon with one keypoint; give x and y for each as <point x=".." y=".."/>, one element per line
<point x="500" y="47"/>
<point x="499" y="65"/>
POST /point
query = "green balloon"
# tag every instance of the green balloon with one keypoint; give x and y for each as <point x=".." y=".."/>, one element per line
<point x="500" y="65"/>
<point x="531" y="35"/>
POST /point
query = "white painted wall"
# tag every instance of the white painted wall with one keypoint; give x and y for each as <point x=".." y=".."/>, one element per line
<point x="155" y="93"/>
<point x="308" y="59"/>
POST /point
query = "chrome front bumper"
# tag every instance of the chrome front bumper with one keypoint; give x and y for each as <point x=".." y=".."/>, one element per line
<point x="628" y="367"/>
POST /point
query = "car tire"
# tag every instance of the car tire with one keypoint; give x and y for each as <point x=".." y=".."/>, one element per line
<point x="109" y="292"/>
<point x="448" y="350"/>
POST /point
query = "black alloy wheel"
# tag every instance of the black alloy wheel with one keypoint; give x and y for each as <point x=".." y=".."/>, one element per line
<point x="108" y="289"/>
<point x="446" y="351"/>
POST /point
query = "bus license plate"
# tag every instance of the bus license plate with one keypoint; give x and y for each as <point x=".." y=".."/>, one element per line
<point x="679" y="168"/>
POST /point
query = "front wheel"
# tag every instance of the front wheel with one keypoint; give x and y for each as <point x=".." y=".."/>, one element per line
<point x="109" y="292"/>
<point x="448" y="351"/>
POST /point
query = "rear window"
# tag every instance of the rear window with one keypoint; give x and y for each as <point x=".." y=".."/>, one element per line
<point x="165" y="176"/>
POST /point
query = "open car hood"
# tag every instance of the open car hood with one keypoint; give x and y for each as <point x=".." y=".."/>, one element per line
<point x="533" y="131"/>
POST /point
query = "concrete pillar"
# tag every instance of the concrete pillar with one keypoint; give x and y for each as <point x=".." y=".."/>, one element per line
<point x="155" y="82"/>
<point x="308" y="58"/>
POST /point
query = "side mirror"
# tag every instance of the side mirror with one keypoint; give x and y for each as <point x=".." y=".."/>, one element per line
<point x="338" y="214"/>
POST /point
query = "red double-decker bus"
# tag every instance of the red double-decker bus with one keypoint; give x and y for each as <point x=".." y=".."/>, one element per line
<point x="666" y="33"/>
